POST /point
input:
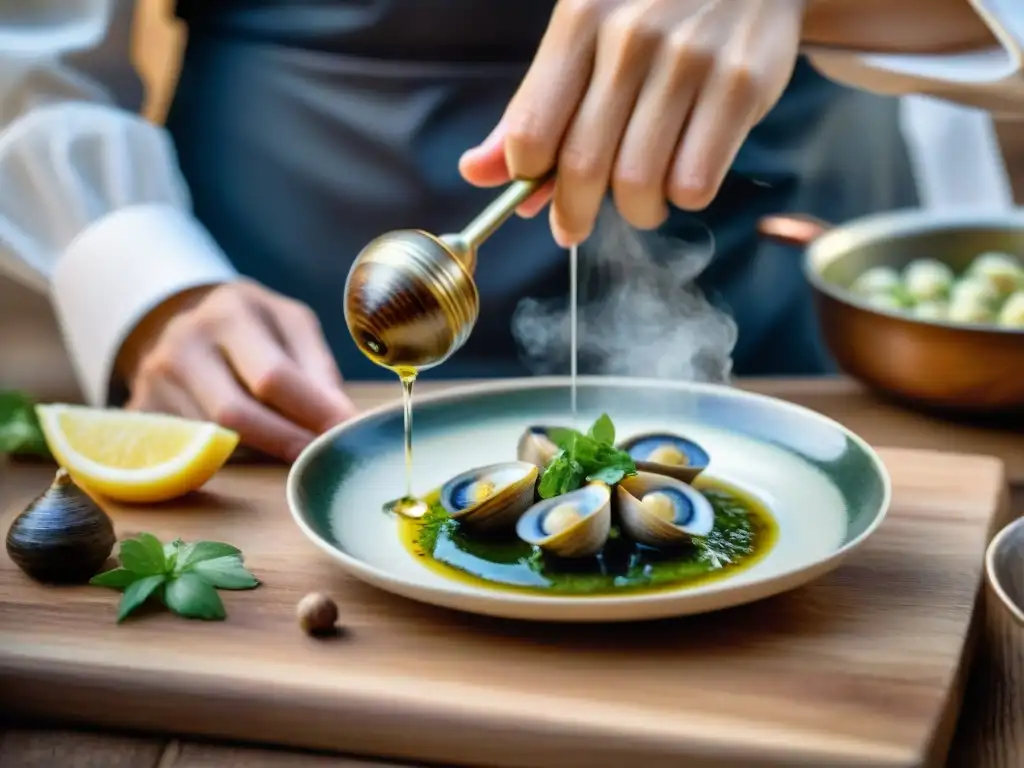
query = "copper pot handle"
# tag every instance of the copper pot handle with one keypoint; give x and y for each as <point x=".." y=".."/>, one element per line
<point x="792" y="229"/>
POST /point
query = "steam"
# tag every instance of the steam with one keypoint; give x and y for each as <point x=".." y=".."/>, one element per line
<point x="639" y="311"/>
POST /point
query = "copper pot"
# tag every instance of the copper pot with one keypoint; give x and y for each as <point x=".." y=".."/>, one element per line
<point x="941" y="365"/>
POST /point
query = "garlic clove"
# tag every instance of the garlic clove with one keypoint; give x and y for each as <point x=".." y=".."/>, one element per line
<point x="63" y="536"/>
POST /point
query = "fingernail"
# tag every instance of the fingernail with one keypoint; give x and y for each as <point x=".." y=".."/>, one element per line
<point x="564" y="239"/>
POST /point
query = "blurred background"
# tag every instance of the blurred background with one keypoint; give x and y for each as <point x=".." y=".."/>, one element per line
<point x="31" y="352"/>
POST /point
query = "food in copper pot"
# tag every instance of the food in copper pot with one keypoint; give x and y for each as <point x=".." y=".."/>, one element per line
<point x="972" y="289"/>
<point x="928" y="290"/>
<point x="930" y="310"/>
<point x="927" y="280"/>
<point x="1012" y="313"/>
<point x="885" y="301"/>
<point x="970" y="308"/>
<point x="877" y="280"/>
<point x="1002" y="271"/>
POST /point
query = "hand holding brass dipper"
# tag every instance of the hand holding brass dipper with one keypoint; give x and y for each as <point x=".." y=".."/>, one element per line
<point x="410" y="297"/>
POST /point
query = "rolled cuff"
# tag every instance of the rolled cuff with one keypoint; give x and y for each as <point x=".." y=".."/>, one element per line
<point x="990" y="79"/>
<point x="118" y="270"/>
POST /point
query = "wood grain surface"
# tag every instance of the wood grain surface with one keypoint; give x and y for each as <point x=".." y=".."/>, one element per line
<point x="858" y="669"/>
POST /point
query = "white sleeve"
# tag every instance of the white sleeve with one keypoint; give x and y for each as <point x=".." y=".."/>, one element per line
<point x="93" y="207"/>
<point x="991" y="79"/>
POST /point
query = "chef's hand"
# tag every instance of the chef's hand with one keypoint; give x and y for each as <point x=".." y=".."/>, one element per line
<point x="243" y="356"/>
<point x="650" y="97"/>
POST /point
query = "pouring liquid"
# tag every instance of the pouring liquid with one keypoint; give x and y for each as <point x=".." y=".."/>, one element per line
<point x="573" y="320"/>
<point x="408" y="505"/>
<point x="412" y="507"/>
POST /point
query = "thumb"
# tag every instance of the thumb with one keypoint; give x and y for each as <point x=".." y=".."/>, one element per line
<point x="485" y="166"/>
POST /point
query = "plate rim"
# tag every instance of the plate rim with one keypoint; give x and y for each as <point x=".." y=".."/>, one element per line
<point x="662" y="603"/>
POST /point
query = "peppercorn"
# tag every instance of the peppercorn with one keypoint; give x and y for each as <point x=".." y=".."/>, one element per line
<point x="317" y="614"/>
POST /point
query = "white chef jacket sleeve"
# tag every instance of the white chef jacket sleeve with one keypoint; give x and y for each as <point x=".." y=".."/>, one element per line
<point x="93" y="208"/>
<point x="991" y="79"/>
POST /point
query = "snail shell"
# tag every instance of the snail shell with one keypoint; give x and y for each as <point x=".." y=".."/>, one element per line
<point x="536" y="447"/>
<point x="491" y="498"/>
<point x="575" y="524"/>
<point x="667" y="454"/>
<point x="62" y="537"/>
<point x="661" y="511"/>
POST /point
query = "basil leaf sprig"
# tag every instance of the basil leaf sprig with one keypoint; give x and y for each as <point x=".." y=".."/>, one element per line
<point x="584" y="458"/>
<point x="20" y="433"/>
<point x="184" y="577"/>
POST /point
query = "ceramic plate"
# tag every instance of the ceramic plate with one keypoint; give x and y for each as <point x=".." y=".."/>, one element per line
<point x="825" y="488"/>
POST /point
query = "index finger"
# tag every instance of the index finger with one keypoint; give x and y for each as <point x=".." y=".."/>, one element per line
<point x="545" y="102"/>
<point x="486" y="166"/>
<point x="276" y="380"/>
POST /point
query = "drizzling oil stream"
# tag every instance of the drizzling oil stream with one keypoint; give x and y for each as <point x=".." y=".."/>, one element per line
<point x="573" y="262"/>
<point x="408" y="505"/>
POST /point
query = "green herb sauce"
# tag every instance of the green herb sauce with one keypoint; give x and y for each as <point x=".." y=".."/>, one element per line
<point x="744" y="532"/>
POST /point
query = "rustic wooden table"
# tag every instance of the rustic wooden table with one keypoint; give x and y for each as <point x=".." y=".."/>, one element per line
<point x="991" y="727"/>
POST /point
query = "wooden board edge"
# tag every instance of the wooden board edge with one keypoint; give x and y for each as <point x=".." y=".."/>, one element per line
<point x="941" y="741"/>
<point x="388" y="729"/>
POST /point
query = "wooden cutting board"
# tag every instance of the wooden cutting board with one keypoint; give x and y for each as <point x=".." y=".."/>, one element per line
<point x="863" y="668"/>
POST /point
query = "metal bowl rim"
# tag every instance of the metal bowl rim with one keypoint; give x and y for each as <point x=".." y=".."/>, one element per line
<point x="991" y="572"/>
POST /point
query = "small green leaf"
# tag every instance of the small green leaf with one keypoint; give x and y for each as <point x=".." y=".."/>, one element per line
<point x="144" y="555"/>
<point x="609" y="475"/>
<point x="226" y="573"/>
<point x="137" y="593"/>
<point x="585" y="457"/>
<point x="153" y="545"/>
<point x="431" y="526"/>
<point x="118" y="578"/>
<point x="584" y="450"/>
<point x="204" y="550"/>
<point x="551" y="480"/>
<point x="563" y="437"/>
<point x="191" y="596"/>
<point x="171" y="551"/>
<point x="20" y="432"/>
<point x="603" y="430"/>
<point x="549" y="485"/>
<point x="562" y="475"/>
<point x="574" y="478"/>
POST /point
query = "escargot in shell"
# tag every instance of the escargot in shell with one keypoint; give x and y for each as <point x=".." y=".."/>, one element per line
<point x="491" y="498"/>
<point x="536" y="446"/>
<point x="667" y="454"/>
<point x="575" y="524"/>
<point x="661" y="511"/>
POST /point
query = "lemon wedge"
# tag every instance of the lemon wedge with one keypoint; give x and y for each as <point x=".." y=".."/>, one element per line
<point x="131" y="456"/>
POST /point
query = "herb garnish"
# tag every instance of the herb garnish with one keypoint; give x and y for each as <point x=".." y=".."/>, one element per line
<point x="184" y="577"/>
<point x="584" y="458"/>
<point x="20" y="432"/>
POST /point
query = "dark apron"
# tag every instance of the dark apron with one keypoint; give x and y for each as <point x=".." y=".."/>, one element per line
<point x="305" y="128"/>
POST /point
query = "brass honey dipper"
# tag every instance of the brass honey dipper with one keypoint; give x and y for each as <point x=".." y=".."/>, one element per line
<point x="410" y="297"/>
